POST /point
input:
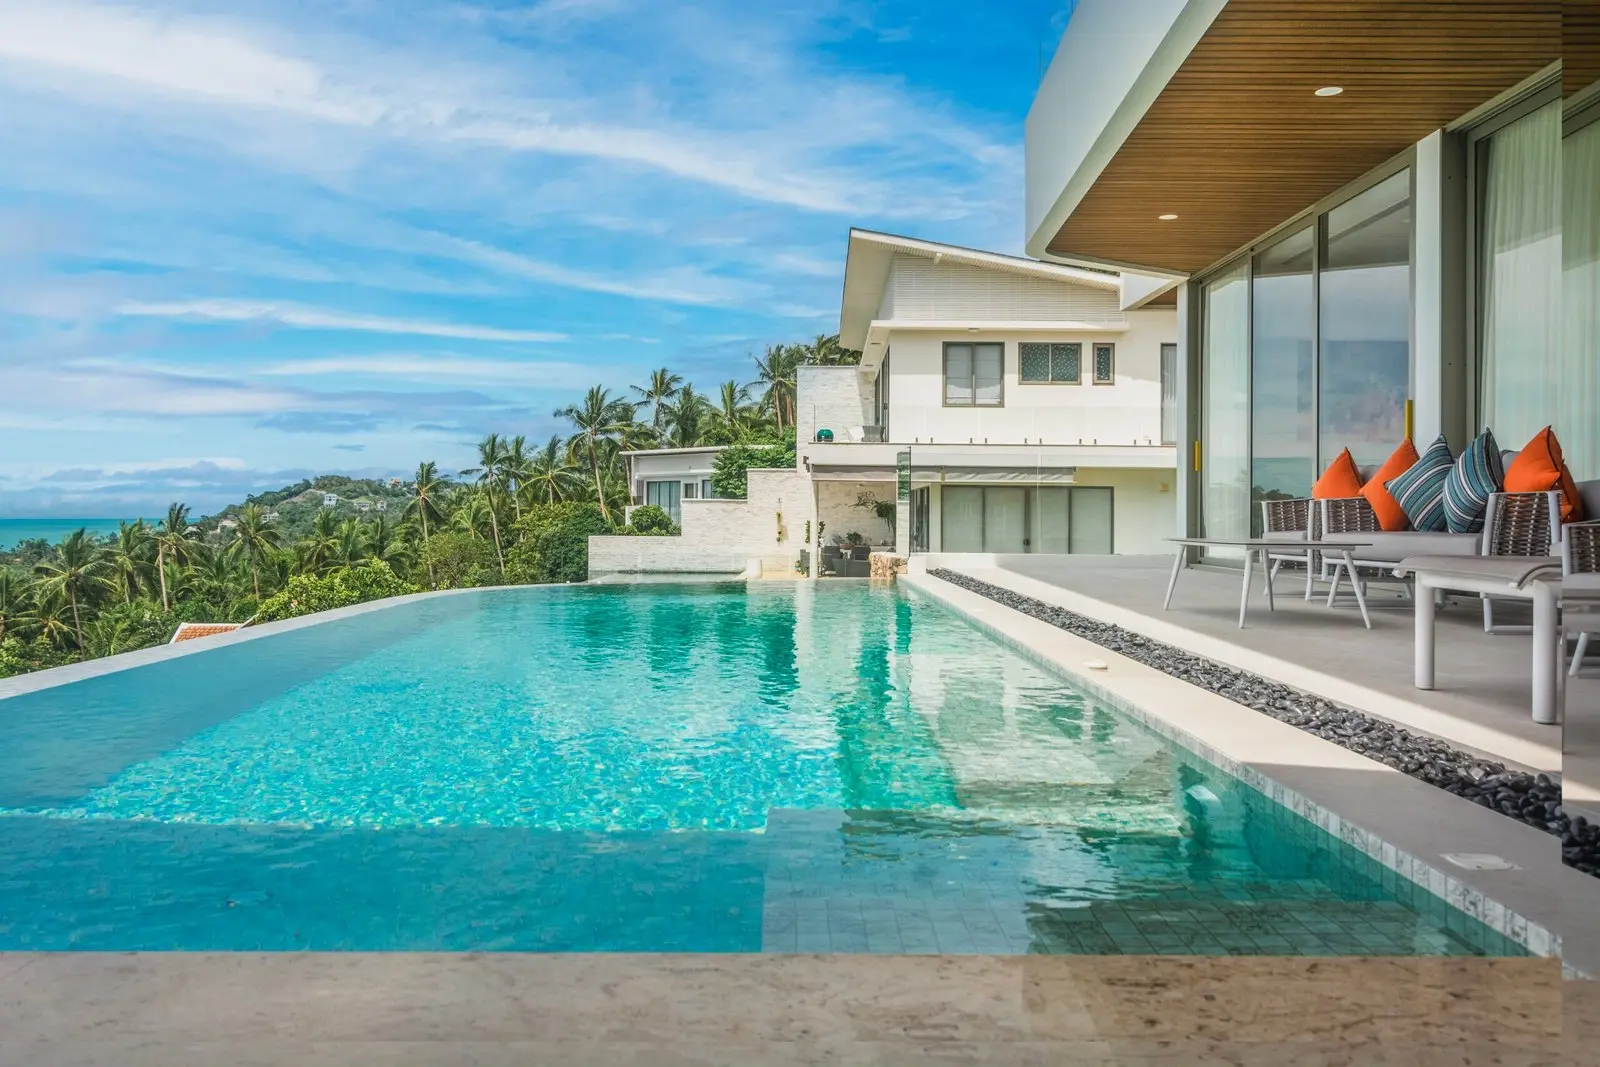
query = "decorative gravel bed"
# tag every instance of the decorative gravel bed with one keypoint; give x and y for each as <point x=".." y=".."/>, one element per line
<point x="1529" y="798"/>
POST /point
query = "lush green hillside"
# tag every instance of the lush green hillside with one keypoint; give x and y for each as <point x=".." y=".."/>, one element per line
<point x="295" y="507"/>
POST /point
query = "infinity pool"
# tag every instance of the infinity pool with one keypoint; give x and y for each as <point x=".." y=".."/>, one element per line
<point x="781" y="768"/>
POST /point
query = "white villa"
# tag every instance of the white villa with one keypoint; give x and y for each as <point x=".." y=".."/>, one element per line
<point x="1002" y="405"/>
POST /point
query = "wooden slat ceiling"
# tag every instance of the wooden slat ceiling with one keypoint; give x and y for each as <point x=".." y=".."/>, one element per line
<point x="1580" y="45"/>
<point x="1236" y="143"/>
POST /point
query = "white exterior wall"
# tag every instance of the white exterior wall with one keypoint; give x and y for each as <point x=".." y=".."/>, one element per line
<point x="1125" y="413"/>
<point x="721" y="536"/>
<point x="670" y="466"/>
<point x="837" y="398"/>
<point x="921" y="290"/>
<point x="1143" y="509"/>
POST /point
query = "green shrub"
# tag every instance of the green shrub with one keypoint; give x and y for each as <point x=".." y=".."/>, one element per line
<point x="459" y="560"/>
<point x="651" y="519"/>
<point x="307" y="593"/>
<point x="554" y="543"/>
<point x="19" y="657"/>
<point x="729" y="476"/>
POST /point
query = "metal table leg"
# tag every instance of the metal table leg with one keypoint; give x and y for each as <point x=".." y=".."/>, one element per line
<point x="1266" y="575"/>
<point x="1546" y="654"/>
<point x="1244" y="589"/>
<point x="1172" y="583"/>
<point x="1355" y="583"/>
<point x="1423" y="667"/>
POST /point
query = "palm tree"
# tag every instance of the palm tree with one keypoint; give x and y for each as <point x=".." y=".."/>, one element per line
<point x="174" y="540"/>
<point x="733" y="408"/>
<point x="79" y="565"/>
<point x="213" y="574"/>
<point x="13" y="599"/>
<point x="491" y="458"/>
<point x="254" y="539"/>
<point x="318" y="548"/>
<point x="350" y="544"/>
<point x="43" y="619"/>
<point x="663" y="386"/>
<point x="684" y="417"/>
<point x="427" y="489"/>
<point x="599" y="418"/>
<point x="776" y="371"/>
<point x="550" y="476"/>
<point x="387" y="541"/>
<point x="514" y="470"/>
<point x="130" y="556"/>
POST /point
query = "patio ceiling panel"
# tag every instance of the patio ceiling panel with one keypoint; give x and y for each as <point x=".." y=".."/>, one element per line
<point x="1237" y="142"/>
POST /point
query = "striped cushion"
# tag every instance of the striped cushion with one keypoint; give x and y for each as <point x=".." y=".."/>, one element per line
<point x="1479" y="472"/>
<point x="1420" y="490"/>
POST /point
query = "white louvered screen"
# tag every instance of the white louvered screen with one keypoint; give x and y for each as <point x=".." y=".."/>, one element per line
<point x="921" y="290"/>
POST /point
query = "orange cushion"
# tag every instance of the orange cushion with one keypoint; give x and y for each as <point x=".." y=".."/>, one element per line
<point x="1539" y="468"/>
<point x="1340" y="480"/>
<point x="1390" y="515"/>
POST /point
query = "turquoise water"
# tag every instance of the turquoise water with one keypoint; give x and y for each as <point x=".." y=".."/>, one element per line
<point x="15" y="531"/>
<point x="663" y="767"/>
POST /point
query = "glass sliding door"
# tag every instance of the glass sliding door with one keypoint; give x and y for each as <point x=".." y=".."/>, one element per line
<point x="961" y="518"/>
<point x="1051" y="521"/>
<point x="1005" y="519"/>
<point x="1225" y="409"/>
<point x="1091" y="520"/>
<point x="1577" y="413"/>
<point x="665" y="495"/>
<point x="1520" y="277"/>
<point x="1283" y="445"/>
<point x="1364" y="356"/>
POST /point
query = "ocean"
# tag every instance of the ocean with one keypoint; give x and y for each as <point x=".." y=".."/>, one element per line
<point x="13" y="531"/>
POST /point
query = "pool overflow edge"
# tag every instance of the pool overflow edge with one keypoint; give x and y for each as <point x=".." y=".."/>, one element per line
<point x="1532" y="799"/>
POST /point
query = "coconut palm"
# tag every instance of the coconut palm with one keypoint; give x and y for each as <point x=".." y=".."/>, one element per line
<point x="45" y="618"/>
<point x="254" y="539"/>
<point x="213" y="575"/>
<point x="77" y="569"/>
<point x="317" y="549"/>
<point x="14" y="599"/>
<point x="733" y="411"/>
<point x="598" y="419"/>
<point x="685" y="417"/>
<point x="349" y="544"/>
<point x="550" y="476"/>
<point x="427" y="493"/>
<point x="130" y="556"/>
<point x="492" y="453"/>
<point x="663" y="386"/>
<point x="175" y="540"/>
<point x="776" y="371"/>
<point x="514" y="471"/>
<point x="387" y="541"/>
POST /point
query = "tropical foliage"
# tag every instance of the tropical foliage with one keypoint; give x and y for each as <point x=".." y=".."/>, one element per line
<point x="522" y="514"/>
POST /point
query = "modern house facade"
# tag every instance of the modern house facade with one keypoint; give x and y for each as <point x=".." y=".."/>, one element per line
<point x="1385" y="218"/>
<point x="1006" y="405"/>
<point x="666" y="477"/>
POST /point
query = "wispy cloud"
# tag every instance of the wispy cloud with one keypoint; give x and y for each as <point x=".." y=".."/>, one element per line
<point x="316" y="319"/>
<point x="439" y="367"/>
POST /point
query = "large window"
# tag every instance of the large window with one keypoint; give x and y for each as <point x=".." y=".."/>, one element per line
<point x="1519" y="277"/>
<point x="974" y="374"/>
<point x="1283" y="448"/>
<point x="1017" y="519"/>
<point x="1225" y="419"/>
<point x="1577" y="413"/>
<point x="1058" y="363"/>
<point x="1364" y="320"/>
<point x="665" y="495"/>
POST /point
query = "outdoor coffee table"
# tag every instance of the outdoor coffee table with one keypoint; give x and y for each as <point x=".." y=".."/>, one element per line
<point x="1338" y="555"/>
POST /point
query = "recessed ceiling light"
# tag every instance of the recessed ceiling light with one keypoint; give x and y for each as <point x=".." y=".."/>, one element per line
<point x="1166" y="218"/>
<point x="1330" y="90"/>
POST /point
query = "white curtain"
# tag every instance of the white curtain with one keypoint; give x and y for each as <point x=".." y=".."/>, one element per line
<point x="1523" y="373"/>
<point x="1577" y="417"/>
<point x="1225" y="418"/>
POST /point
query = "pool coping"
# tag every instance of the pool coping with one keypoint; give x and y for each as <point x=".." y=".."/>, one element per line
<point x="51" y="677"/>
<point x="1403" y="824"/>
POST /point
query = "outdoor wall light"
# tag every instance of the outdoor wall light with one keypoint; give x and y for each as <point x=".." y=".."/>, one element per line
<point x="1330" y="90"/>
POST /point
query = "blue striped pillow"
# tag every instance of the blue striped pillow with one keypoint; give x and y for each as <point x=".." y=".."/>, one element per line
<point x="1420" y="490"/>
<point x="1479" y="472"/>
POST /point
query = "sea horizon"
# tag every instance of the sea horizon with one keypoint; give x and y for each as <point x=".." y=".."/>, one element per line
<point x="14" y="531"/>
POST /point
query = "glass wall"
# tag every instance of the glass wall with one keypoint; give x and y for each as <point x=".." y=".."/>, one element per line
<point x="1017" y="519"/>
<point x="1364" y="353"/>
<point x="1283" y="323"/>
<point x="1577" y="411"/>
<point x="1225" y="421"/>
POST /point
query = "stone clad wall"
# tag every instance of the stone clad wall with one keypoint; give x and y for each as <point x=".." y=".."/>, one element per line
<point x="720" y="536"/>
<point x="839" y="398"/>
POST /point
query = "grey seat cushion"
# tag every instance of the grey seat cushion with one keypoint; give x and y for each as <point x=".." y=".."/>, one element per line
<point x="1589" y="492"/>
<point x="1394" y="547"/>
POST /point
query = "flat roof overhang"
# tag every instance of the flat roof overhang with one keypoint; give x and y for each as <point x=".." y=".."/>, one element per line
<point x="1235" y="141"/>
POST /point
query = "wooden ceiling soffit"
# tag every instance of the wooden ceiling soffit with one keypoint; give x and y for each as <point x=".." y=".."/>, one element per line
<point x="1238" y="142"/>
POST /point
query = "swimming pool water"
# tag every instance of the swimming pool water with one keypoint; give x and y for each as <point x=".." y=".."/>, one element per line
<point x="652" y="768"/>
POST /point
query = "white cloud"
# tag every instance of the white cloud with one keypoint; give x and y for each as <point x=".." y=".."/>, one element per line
<point x="441" y="367"/>
<point x="684" y="285"/>
<point x="316" y="319"/>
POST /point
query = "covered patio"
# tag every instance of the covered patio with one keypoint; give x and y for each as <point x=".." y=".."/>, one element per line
<point x="1481" y="702"/>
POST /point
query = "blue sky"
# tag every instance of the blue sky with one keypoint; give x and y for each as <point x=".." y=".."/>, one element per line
<point x="242" y="243"/>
